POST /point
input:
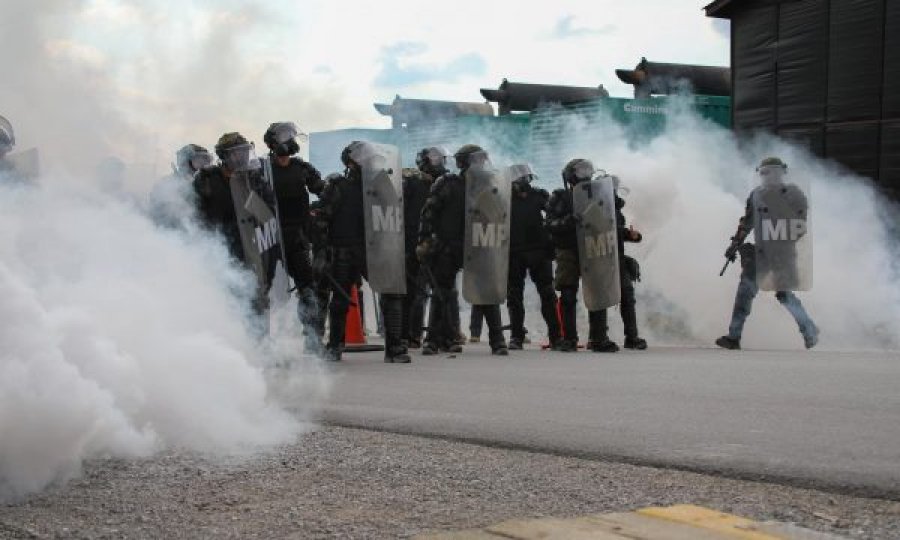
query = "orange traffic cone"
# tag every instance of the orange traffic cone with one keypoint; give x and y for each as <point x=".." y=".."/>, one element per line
<point x="353" y="335"/>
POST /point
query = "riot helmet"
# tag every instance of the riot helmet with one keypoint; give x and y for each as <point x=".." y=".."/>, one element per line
<point x="7" y="137"/>
<point x="281" y="138"/>
<point x="432" y="160"/>
<point x="356" y="153"/>
<point x="191" y="158"/>
<point x="468" y="155"/>
<point x="521" y="175"/>
<point x="771" y="171"/>
<point x="577" y="170"/>
<point x="235" y="152"/>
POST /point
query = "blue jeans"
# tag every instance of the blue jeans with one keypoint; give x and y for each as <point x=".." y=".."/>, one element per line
<point x="747" y="291"/>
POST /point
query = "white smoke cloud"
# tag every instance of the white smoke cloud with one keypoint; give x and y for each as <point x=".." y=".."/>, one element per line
<point x="688" y="188"/>
<point x="120" y="338"/>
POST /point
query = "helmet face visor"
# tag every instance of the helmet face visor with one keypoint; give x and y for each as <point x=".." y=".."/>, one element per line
<point x="200" y="160"/>
<point x="285" y="132"/>
<point x="584" y="170"/>
<point x="522" y="172"/>
<point x="771" y="174"/>
<point x="437" y="156"/>
<point x="240" y="157"/>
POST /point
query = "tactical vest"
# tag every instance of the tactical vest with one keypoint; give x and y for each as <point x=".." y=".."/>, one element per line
<point x="527" y="230"/>
<point x="451" y="225"/>
<point x="348" y="226"/>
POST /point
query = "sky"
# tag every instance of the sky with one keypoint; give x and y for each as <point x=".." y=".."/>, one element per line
<point x="138" y="79"/>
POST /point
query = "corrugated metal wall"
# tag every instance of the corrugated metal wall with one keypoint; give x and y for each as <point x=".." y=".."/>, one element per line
<point x="825" y="73"/>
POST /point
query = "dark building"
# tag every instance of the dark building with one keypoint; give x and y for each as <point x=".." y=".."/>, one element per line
<point x="823" y="72"/>
<point x="526" y="97"/>
<point x="658" y="78"/>
<point x="412" y="112"/>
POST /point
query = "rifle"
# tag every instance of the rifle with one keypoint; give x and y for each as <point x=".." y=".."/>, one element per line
<point x="730" y="254"/>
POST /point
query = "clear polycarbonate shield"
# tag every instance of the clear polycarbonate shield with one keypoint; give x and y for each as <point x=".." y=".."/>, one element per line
<point x="594" y="207"/>
<point x="258" y="224"/>
<point x="486" y="248"/>
<point x="201" y="160"/>
<point x="241" y="157"/>
<point x="382" y="182"/>
<point x="284" y="132"/>
<point x="521" y="172"/>
<point x="303" y="143"/>
<point x="281" y="282"/>
<point x="782" y="231"/>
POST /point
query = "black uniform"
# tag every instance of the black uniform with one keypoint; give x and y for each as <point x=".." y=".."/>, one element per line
<point x="341" y="229"/>
<point x="443" y="224"/>
<point x="293" y="184"/>
<point x="531" y="252"/>
<point x="629" y="272"/>
<point x="416" y="187"/>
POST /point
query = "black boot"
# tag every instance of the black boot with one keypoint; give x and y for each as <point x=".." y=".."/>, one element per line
<point x="728" y="342"/>
<point x="629" y="317"/>
<point x="495" y="330"/>
<point x="635" y="343"/>
<point x="568" y="302"/>
<point x="392" y="313"/>
<point x="598" y="340"/>
<point x="548" y="312"/>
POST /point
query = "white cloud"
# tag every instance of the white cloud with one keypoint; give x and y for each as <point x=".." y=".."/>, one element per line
<point x="180" y="72"/>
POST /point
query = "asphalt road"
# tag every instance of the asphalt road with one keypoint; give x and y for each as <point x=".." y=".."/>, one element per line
<point x="815" y="419"/>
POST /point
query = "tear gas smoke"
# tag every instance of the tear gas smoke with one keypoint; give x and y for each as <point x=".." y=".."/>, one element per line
<point x="687" y="188"/>
<point x="121" y="338"/>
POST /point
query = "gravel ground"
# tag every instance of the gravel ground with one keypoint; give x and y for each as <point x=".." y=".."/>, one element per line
<point x="348" y="483"/>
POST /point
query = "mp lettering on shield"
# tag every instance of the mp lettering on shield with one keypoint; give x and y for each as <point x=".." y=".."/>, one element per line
<point x="782" y="229"/>
<point x="488" y="235"/>
<point x="386" y="219"/>
<point x="267" y="235"/>
<point x="600" y="245"/>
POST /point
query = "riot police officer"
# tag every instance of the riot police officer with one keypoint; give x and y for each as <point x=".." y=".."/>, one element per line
<point x="189" y="159"/>
<point x="431" y="163"/>
<point x="629" y="273"/>
<point x="781" y="267"/>
<point x="216" y="186"/>
<point x="531" y="252"/>
<point x="340" y="239"/>
<point x="561" y="223"/>
<point x="170" y="200"/>
<point x="294" y="179"/>
<point x="441" y="247"/>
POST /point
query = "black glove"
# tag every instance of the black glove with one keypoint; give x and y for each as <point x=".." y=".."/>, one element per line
<point x="424" y="250"/>
<point x="731" y="252"/>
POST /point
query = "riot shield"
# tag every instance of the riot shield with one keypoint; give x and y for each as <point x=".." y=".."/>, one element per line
<point x="486" y="248"/>
<point x="594" y="207"/>
<point x="783" y="236"/>
<point x="382" y="185"/>
<point x="281" y="283"/>
<point x="258" y="225"/>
